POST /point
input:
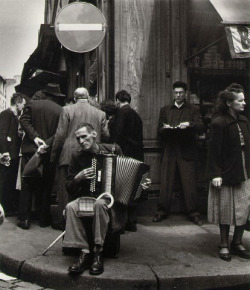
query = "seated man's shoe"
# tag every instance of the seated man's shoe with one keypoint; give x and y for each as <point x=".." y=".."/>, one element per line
<point x="240" y="251"/>
<point x="224" y="253"/>
<point x="83" y="263"/>
<point x="130" y="227"/>
<point x="159" y="218"/>
<point x="196" y="220"/>
<point x="25" y="224"/>
<point x="97" y="265"/>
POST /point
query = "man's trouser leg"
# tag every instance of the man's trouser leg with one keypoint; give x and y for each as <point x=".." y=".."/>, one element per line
<point x="75" y="232"/>
<point x="187" y="169"/>
<point x="100" y="222"/>
<point x="62" y="195"/>
<point x="45" y="191"/>
<point x="168" y="168"/>
<point x="25" y="200"/>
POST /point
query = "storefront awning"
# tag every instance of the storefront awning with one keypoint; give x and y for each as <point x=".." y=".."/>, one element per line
<point x="235" y="16"/>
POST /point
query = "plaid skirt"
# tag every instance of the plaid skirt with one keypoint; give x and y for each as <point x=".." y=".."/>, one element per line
<point x="229" y="205"/>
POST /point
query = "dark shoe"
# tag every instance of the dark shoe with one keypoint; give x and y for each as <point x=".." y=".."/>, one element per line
<point x="25" y="225"/>
<point x="44" y="224"/>
<point x="196" y="220"/>
<point x="83" y="263"/>
<point x="131" y="227"/>
<point x="159" y="218"/>
<point x="224" y="253"/>
<point x="57" y="226"/>
<point x="97" y="265"/>
<point x="240" y="251"/>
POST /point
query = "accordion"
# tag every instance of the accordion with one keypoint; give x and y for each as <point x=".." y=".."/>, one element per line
<point x="120" y="176"/>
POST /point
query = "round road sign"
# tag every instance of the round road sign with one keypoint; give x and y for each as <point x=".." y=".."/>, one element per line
<point x="80" y="27"/>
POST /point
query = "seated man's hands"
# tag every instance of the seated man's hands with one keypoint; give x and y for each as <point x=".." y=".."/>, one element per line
<point x="87" y="173"/>
<point x="1" y="215"/>
<point x="146" y="184"/>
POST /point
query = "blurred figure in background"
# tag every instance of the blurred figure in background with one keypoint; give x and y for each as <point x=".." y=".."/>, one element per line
<point x="127" y="132"/>
<point x="10" y="143"/>
<point x="110" y="108"/>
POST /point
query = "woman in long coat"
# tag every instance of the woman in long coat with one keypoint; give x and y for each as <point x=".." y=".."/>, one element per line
<point x="229" y="171"/>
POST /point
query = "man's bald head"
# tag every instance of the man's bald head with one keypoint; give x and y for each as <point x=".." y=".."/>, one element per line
<point x="81" y="93"/>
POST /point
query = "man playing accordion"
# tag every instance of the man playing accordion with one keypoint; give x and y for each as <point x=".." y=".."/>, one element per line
<point x="82" y="232"/>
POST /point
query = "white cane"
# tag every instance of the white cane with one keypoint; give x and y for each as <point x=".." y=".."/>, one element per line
<point x="52" y="244"/>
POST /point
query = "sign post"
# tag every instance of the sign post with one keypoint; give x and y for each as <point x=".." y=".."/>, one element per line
<point x="80" y="27"/>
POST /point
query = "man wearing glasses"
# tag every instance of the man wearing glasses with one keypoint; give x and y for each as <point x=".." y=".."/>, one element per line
<point x="179" y="123"/>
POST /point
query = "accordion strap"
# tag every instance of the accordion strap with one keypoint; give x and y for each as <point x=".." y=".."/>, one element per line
<point x="108" y="195"/>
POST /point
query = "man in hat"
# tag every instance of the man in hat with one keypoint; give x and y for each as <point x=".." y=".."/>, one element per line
<point x="39" y="121"/>
<point x="65" y="142"/>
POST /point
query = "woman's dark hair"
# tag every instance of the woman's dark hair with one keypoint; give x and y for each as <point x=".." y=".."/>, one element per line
<point x="235" y="88"/>
<point x="17" y="98"/>
<point x="109" y="107"/>
<point x="123" y="96"/>
<point x="221" y="106"/>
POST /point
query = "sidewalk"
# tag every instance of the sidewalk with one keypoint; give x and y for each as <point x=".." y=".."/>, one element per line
<point x="174" y="254"/>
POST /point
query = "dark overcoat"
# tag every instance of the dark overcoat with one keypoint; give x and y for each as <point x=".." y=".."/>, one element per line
<point x="71" y="117"/>
<point x="39" y="119"/>
<point x="225" y="151"/>
<point x="128" y="132"/>
<point x="9" y="139"/>
<point x="185" y="139"/>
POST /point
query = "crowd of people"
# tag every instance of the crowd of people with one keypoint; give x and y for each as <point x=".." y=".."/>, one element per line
<point x="63" y="140"/>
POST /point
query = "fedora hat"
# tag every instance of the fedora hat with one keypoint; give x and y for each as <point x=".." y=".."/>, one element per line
<point x="53" y="89"/>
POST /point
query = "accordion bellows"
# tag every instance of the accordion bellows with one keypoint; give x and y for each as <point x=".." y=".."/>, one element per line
<point x="120" y="176"/>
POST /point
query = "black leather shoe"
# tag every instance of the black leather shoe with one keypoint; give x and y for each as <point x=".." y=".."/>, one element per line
<point x="159" y="218"/>
<point x="44" y="224"/>
<point x="25" y="225"/>
<point x="197" y="220"/>
<point x="131" y="227"/>
<point x="83" y="263"/>
<point x="97" y="265"/>
<point x="240" y="251"/>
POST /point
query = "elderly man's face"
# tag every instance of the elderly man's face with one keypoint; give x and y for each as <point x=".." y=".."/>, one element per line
<point x="85" y="138"/>
<point x="179" y="95"/>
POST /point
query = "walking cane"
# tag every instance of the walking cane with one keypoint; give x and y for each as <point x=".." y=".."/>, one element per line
<point x="52" y="244"/>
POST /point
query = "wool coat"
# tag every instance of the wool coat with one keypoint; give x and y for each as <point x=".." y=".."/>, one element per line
<point x="225" y="151"/>
<point x="9" y="139"/>
<point x="39" y="119"/>
<point x="186" y="138"/>
<point x="128" y="132"/>
<point x="72" y="115"/>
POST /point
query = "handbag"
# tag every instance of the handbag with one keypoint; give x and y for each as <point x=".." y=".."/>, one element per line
<point x="34" y="167"/>
<point x="86" y="204"/>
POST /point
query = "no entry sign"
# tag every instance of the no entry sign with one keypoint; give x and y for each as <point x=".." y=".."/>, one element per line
<point x="80" y="27"/>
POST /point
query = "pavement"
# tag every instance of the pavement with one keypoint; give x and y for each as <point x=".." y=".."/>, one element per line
<point x="173" y="254"/>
